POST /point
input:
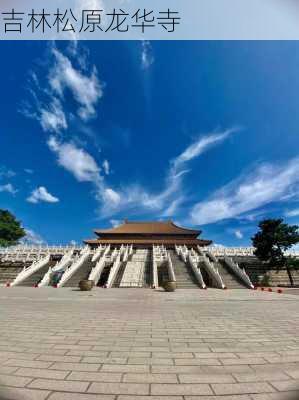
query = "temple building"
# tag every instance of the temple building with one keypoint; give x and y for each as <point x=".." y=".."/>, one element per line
<point x="147" y="234"/>
<point x="139" y="255"/>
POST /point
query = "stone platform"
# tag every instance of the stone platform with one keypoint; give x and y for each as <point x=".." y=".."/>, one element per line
<point x="125" y="344"/>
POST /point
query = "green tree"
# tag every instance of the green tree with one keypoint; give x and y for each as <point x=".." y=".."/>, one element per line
<point x="272" y="240"/>
<point x="10" y="229"/>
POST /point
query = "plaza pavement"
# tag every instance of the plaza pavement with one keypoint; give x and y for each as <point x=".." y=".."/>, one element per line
<point x="126" y="344"/>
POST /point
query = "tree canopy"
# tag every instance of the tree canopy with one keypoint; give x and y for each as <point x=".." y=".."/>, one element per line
<point x="10" y="229"/>
<point x="273" y="238"/>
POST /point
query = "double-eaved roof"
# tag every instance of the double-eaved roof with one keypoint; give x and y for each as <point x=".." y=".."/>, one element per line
<point x="146" y="233"/>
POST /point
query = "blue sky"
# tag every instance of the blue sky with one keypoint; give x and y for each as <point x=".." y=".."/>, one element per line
<point x="203" y="133"/>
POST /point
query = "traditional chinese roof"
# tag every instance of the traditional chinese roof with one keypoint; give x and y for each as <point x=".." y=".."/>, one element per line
<point x="148" y="228"/>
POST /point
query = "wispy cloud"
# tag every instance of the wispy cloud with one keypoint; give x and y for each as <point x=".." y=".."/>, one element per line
<point x="75" y="160"/>
<point x="292" y="213"/>
<point x="106" y="167"/>
<point x="67" y="74"/>
<point x="267" y="183"/>
<point x="147" y="56"/>
<point x="41" y="194"/>
<point x="52" y="117"/>
<point x="134" y="197"/>
<point x="6" y="173"/>
<point x="200" y="146"/>
<point x="32" y="238"/>
<point x="238" y="234"/>
<point x="8" y="188"/>
<point x="86" y="89"/>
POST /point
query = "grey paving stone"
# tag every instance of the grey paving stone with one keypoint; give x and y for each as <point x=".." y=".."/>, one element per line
<point x="241" y="388"/>
<point x="150" y="361"/>
<point x="66" y="386"/>
<point x="128" y="397"/>
<point x="104" y="360"/>
<point x="119" y="388"/>
<point x="261" y="377"/>
<point x="289" y="385"/>
<point x="232" y="397"/>
<point x="95" y="376"/>
<point x="75" y="366"/>
<point x="15" y="381"/>
<point x="49" y="357"/>
<point x="243" y="361"/>
<point x="41" y="373"/>
<point x="206" y="378"/>
<point x="27" y="363"/>
<point x="22" y="394"/>
<point x="80" y="396"/>
<point x="125" y="368"/>
<point x="180" y="389"/>
<point x="150" y="378"/>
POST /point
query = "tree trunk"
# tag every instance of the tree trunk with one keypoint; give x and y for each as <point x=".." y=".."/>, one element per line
<point x="290" y="275"/>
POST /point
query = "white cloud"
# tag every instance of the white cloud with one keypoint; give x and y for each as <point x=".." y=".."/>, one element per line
<point x="41" y="194"/>
<point x="29" y="171"/>
<point x="201" y="145"/>
<point x="292" y="213"/>
<point x="86" y="90"/>
<point x="135" y="197"/>
<point x="115" y="222"/>
<point x="6" y="173"/>
<point x="32" y="238"/>
<point x="147" y="58"/>
<point x="53" y="119"/>
<point x="106" y="167"/>
<point x="266" y="184"/>
<point x="238" y="234"/>
<point x="75" y="160"/>
<point x="111" y="197"/>
<point x="9" y="188"/>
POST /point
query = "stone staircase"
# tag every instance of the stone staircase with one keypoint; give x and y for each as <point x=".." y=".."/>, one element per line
<point x="259" y="273"/>
<point x="9" y="273"/>
<point x="134" y="271"/>
<point x="120" y="274"/>
<point x="82" y="273"/>
<point x="185" y="278"/>
<point x="230" y="280"/>
<point x="37" y="276"/>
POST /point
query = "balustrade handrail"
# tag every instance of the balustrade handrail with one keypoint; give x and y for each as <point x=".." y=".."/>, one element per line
<point x="197" y="272"/>
<point x="68" y="273"/>
<point x="26" y="272"/>
<point x="212" y="270"/>
<point x="241" y="273"/>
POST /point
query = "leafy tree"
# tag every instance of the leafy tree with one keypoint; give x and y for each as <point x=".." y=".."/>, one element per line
<point x="273" y="238"/>
<point x="10" y="229"/>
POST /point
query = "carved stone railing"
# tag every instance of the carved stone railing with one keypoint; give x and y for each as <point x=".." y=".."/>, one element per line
<point x="27" y="272"/>
<point x="96" y="272"/>
<point x="212" y="270"/>
<point x="170" y="269"/>
<point x="240" y="273"/>
<point x="97" y="253"/>
<point x="196" y="270"/>
<point x="114" y="270"/>
<point x="61" y="265"/>
<point x="69" y="272"/>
